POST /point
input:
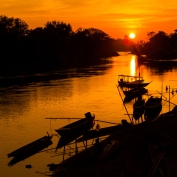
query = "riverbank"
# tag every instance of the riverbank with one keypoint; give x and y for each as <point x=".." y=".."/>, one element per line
<point x="144" y="150"/>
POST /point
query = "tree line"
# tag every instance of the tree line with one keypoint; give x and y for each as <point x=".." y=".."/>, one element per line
<point x="160" y="46"/>
<point x="56" y="46"/>
<point x="52" y="47"/>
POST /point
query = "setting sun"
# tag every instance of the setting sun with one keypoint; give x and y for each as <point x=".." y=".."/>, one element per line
<point x="132" y="35"/>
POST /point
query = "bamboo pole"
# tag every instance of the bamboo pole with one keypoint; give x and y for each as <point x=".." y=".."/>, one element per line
<point x="124" y="104"/>
<point x="82" y="118"/>
<point x="169" y="97"/>
<point x="62" y="118"/>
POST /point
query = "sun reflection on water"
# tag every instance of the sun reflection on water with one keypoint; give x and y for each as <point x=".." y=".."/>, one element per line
<point x="133" y="66"/>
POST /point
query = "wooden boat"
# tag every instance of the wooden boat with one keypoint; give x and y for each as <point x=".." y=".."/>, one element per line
<point x="135" y="92"/>
<point x="131" y="81"/>
<point x="153" y="106"/>
<point x="77" y="128"/>
<point x="32" y="147"/>
<point x="138" y="108"/>
<point x="91" y="134"/>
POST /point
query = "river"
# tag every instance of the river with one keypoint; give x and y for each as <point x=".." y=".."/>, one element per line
<point x="23" y="108"/>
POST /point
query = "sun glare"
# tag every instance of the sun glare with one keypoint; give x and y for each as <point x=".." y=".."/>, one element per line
<point x="132" y="35"/>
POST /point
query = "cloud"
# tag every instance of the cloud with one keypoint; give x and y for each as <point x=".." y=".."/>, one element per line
<point x="95" y="13"/>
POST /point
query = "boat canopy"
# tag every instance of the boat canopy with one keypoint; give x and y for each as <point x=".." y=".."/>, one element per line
<point x="129" y="78"/>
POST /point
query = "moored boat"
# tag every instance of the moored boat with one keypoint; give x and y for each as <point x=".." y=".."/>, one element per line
<point x="77" y="128"/>
<point x="153" y="107"/>
<point x="32" y="147"/>
<point x="131" y="81"/>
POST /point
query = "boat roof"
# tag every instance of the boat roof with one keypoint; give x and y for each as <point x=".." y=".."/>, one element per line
<point x="122" y="75"/>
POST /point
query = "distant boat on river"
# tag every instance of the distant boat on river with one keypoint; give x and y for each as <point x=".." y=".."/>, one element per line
<point x="131" y="81"/>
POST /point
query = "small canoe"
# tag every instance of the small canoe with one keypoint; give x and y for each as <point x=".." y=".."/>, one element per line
<point x="153" y="107"/>
<point x="77" y="128"/>
<point x="32" y="147"/>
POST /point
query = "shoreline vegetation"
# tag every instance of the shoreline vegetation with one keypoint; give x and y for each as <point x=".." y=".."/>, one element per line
<point x="56" y="47"/>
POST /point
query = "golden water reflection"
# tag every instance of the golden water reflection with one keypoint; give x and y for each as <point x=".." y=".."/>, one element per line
<point x="133" y="66"/>
<point x="23" y="110"/>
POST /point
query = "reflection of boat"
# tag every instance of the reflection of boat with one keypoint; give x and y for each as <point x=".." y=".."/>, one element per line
<point x="132" y="94"/>
<point x="78" y="127"/>
<point x="128" y="99"/>
<point x="153" y="106"/>
<point x="138" y="108"/>
<point x="135" y="92"/>
<point x="131" y="81"/>
<point x="29" y="149"/>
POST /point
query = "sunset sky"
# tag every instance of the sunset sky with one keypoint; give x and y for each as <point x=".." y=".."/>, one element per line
<point x="115" y="17"/>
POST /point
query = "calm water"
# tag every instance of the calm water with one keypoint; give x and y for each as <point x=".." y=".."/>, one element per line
<point x="23" y="109"/>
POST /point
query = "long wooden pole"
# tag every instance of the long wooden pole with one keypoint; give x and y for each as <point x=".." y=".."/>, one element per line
<point x="82" y="118"/>
<point x="169" y="97"/>
<point x="64" y="154"/>
<point x="124" y="104"/>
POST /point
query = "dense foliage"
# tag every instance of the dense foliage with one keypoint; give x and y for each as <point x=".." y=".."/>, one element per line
<point x="55" y="46"/>
<point x="160" y="46"/>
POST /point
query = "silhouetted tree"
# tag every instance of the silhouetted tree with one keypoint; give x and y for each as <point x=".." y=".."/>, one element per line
<point x="52" y="47"/>
<point x="160" y="46"/>
<point x="12" y="34"/>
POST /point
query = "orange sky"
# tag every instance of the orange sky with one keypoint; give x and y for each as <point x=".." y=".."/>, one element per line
<point x="115" y="17"/>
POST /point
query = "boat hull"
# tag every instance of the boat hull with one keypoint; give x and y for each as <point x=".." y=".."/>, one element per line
<point x="132" y="85"/>
<point x="153" y="107"/>
<point x="77" y="127"/>
<point x="29" y="150"/>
